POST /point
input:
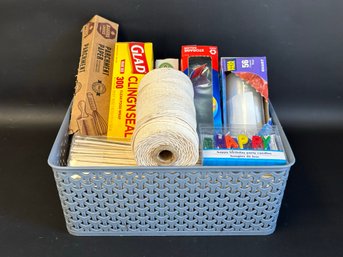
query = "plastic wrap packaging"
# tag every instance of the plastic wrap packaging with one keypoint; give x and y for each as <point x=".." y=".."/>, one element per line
<point x="241" y="146"/>
<point x="99" y="151"/>
<point x="244" y="104"/>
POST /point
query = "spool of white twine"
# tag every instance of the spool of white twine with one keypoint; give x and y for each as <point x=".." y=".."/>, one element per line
<point x="165" y="133"/>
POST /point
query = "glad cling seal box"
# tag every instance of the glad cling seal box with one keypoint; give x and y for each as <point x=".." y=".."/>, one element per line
<point x="132" y="60"/>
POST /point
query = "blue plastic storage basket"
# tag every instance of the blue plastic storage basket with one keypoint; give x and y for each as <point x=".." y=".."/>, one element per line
<point x="154" y="201"/>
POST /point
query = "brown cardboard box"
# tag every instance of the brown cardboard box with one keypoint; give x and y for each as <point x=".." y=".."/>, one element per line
<point x="90" y="108"/>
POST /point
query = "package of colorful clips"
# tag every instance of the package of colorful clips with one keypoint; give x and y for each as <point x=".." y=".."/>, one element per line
<point x="242" y="146"/>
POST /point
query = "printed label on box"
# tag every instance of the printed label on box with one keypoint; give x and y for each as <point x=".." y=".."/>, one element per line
<point x="132" y="60"/>
<point x="90" y="107"/>
<point x="200" y="63"/>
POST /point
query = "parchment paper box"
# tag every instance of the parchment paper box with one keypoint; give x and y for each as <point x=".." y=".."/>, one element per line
<point x="93" y="85"/>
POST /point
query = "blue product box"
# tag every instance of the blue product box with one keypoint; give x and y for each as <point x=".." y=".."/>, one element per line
<point x="253" y="71"/>
<point x="238" y="146"/>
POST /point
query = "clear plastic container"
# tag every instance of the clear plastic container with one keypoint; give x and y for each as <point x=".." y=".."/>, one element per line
<point x="242" y="145"/>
